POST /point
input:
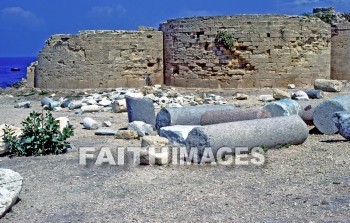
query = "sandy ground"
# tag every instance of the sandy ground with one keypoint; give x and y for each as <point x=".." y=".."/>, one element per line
<point x="304" y="183"/>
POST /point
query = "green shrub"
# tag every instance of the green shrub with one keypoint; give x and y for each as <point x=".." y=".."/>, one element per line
<point x="326" y="17"/>
<point x="226" y="40"/>
<point x="41" y="136"/>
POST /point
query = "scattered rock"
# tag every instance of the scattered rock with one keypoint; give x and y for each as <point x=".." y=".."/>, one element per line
<point x="119" y="106"/>
<point x="291" y="86"/>
<point x="64" y="122"/>
<point x="10" y="188"/>
<point x="75" y="104"/>
<point x="105" y="102"/>
<point x="156" y="141"/>
<point x="314" y="94"/>
<point x="126" y="134"/>
<point x="25" y="104"/>
<point x="176" y="134"/>
<point x="240" y="96"/>
<point x="342" y="122"/>
<point x="266" y="98"/>
<point x="90" y="124"/>
<point x="90" y="108"/>
<point x="107" y="124"/>
<point x="141" y="128"/>
<point x="106" y="132"/>
<point x="279" y="94"/>
<point x="300" y="96"/>
<point x="328" y="85"/>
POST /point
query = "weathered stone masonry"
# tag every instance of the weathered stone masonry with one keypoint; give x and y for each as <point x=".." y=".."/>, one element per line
<point x="340" y="68"/>
<point x="270" y="51"/>
<point x="93" y="59"/>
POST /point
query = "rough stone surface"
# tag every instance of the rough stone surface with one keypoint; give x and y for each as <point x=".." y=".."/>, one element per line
<point x="90" y="124"/>
<point x="285" y="107"/>
<point x="92" y="59"/>
<point x="141" y="128"/>
<point x="176" y="134"/>
<point x="340" y="57"/>
<point x="10" y="188"/>
<point x="106" y="132"/>
<point x="279" y="94"/>
<point x="342" y="121"/>
<point x="300" y="96"/>
<point x="141" y="109"/>
<point x="268" y="132"/>
<point x="269" y="51"/>
<point x="328" y="85"/>
<point x="323" y="115"/>
<point x="314" y="94"/>
<point x="31" y="74"/>
<point x="233" y="115"/>
<point x="126" y="134"/>
<point x="185" y="115"/>
<point x="156" y="141"/>
<point x="307" y="110"/>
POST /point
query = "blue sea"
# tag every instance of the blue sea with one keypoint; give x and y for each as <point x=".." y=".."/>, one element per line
<point x="8" y="77"/>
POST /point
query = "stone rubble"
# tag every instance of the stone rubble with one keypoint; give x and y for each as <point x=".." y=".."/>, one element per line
<point x="328" y="85"/>
<point x="10" y="187"/>
<point x="141" y="128"/>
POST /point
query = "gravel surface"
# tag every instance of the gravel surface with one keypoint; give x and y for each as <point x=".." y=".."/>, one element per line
<point x="304" y="183"/>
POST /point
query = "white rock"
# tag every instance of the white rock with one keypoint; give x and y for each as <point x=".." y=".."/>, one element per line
<point x="134" y="95"/>
<point x="107" y="124"/>
<point x="119" y="106"/>
<point x="10" y="188"/>
<point x="105" y="102"/>
<point x="291" y="86"/>
<point x="64" y="122"/>
<point x="90" y="124"/>
<point x="300" y="95"/>
<point x="141" y="128"/>
<point x="176" y="134"/>
<point x="266" y="98"/>
<point x="57" y="109"/>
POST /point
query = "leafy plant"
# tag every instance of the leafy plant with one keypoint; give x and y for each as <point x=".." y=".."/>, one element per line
<point x="41" y="136"/>
<point x="226" y="40"/>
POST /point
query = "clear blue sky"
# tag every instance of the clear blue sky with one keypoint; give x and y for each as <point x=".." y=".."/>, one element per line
<point x="25" y="24"/>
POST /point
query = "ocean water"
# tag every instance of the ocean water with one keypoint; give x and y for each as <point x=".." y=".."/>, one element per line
<point x="8" y="77"/>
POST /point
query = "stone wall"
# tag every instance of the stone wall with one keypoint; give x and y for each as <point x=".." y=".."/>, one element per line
<point x="340" y="66"/>
<point x="270" y="51"/>
<point x="93" y="59"/>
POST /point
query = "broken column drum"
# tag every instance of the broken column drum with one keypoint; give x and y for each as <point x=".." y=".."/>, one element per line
<point x="269" y="132"/>
<point x="185" y="115"/>
<point x="323" y="115"/>
<point x="285" y="107"/>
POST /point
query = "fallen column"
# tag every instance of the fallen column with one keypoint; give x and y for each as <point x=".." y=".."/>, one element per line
<point x="323" y="115"/>
<point x="90" y="124"/>
<point x="269" y="132"/>
<point x="141" y="109"/>
<point x="75" y="104"/>
<point x="90" y="108"/>
<point x="307" y="110"/>
<point x="328" y="85"/>
<point x="285" y="107"/>
<point x="233" y="115"/>
<point x="184" y="115"/>
<point x="176" y="134"/>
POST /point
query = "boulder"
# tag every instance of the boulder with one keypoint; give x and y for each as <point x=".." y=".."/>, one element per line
<point x="314" y="94"/>
<point x="279" y="94"/>
<point x="156" y="141"/>
<point x="328" y="85"/>
<point x="291" y="86"/>
<point x="342" y="122"/>
<point x="90" y="124"/>
<point x="323" y="115"/>
<point x="126" y="134"/>
<point x="119" y="106"/>
<point x="300" y="96"/>
<point x="266" y="98"/>
<point x="176" y="134"/>
<point x="141" y="128"/>
<point x="10" y="188"/>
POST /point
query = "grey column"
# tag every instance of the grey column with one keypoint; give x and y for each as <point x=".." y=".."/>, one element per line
<point x="269" y="132"/>
<point x="323" y="115"/>
<point x="233" y="115"/>
<point x="185" y="115"/>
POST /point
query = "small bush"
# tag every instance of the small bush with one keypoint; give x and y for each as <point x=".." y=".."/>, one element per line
<point x="326" y="17"/>
<point x="226" y="40"/>
<point x="41" y="136"/>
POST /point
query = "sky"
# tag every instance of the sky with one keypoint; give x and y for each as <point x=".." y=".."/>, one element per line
<point x="26" y="25"/>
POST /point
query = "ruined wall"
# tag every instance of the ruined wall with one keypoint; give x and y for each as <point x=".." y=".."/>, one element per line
<point x="270" y="51"/>
<point x="340" y="63"/>
<point x="94" y="59"/>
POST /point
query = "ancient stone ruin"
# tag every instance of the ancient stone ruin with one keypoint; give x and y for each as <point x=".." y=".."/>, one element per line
<point x="243" y="51"/>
